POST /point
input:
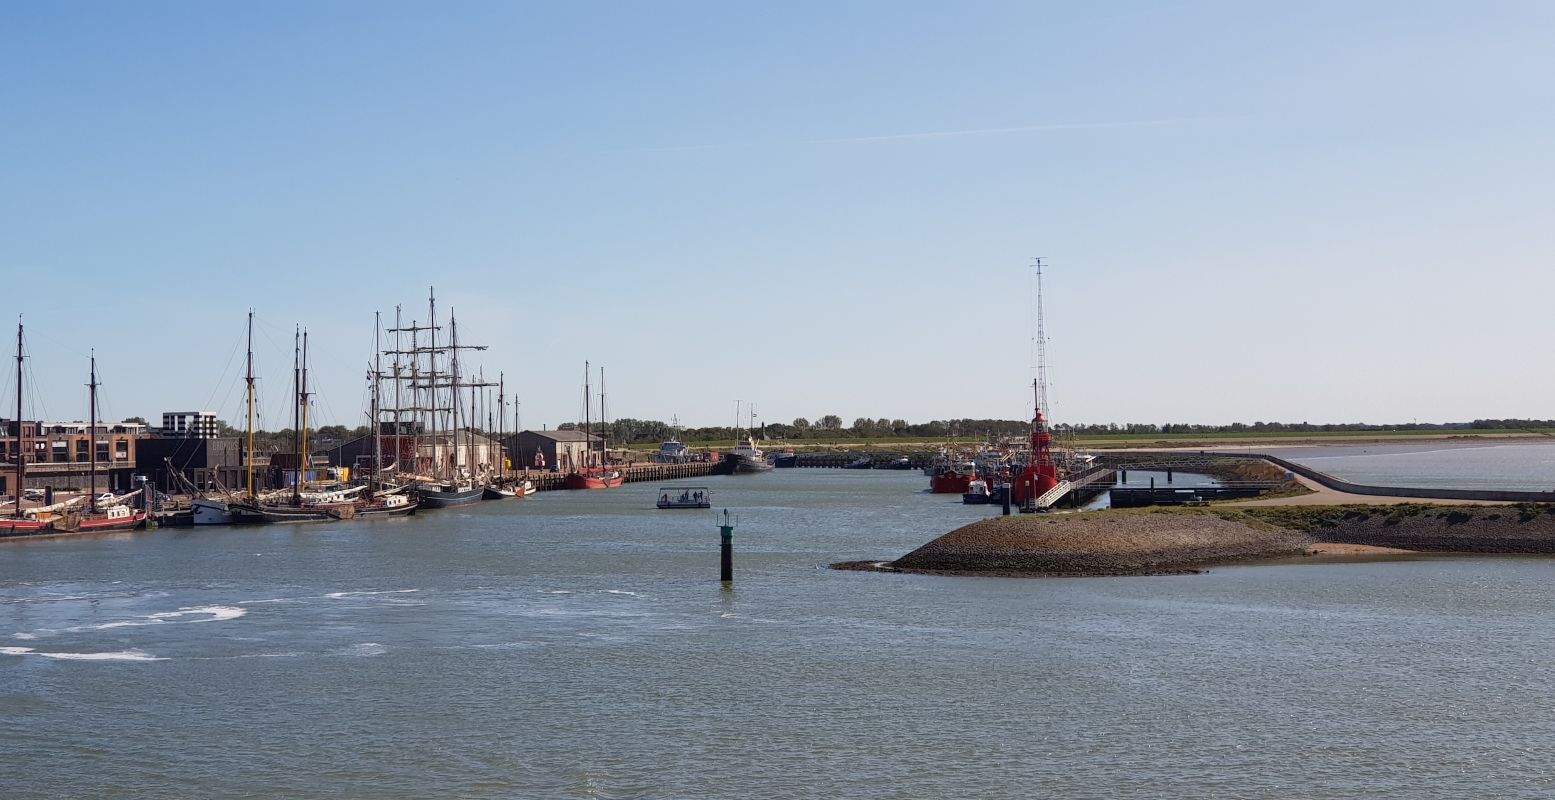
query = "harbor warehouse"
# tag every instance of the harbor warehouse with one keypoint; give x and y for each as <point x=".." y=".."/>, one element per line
<point x="553" y="450"/>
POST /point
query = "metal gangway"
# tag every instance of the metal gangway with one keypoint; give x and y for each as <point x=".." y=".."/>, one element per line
<point x="1052" y="495"/>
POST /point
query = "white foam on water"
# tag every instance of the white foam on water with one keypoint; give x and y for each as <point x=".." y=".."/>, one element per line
<point x="272" y="600"/>
<point x="119" y="655"/>
<point x="555" y="591"/>
<point x="366" y="649"/>
<point x="338" y="595"/>
<point x="215" y="614"/>
<point x="24" y="636"/>
<point x="218" y="613"/>
<point x="622" y="591"/>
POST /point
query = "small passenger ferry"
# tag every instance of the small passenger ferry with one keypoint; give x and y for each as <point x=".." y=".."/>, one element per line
<point x="685" y="497"/>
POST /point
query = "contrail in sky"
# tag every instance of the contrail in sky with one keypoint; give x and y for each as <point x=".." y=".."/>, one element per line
<point x="892" y="137"/>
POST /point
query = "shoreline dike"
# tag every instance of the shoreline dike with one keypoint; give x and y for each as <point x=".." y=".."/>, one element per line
<point x="1181" y="541"/>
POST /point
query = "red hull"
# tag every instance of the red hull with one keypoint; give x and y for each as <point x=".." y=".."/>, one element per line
<point x="128" y="523"/>
<point x="22" y="527"/>
<point x="579" y="480"/>
<point x="950" y="483"/>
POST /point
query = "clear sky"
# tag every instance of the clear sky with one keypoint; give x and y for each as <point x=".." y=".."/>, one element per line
<point x="1330" y="212"/>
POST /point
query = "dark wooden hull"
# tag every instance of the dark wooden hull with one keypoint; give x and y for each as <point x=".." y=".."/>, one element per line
<point x="450" y="498"/>
<point x="246" y="514"/>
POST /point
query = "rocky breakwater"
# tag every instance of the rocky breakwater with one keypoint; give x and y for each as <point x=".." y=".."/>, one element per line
<point x="1522" y="528"/>
<point x="1157" y="541"/>
<point x="1120" y="542"/>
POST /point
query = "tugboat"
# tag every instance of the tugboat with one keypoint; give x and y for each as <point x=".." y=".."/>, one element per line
<point x="787" y="458"/>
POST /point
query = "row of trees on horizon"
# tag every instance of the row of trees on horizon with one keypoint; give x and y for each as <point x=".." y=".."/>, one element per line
<point x="830" y="427"/>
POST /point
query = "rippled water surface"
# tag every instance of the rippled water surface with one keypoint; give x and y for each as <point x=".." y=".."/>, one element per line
<point x="579" y="645"/>
<point x="1528" y="466"/>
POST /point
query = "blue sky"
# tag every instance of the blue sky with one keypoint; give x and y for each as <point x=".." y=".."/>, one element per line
<point x="1328" y="212"/>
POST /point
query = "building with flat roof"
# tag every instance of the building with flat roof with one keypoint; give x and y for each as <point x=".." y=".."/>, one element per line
<point x="189" y="424"/>
<point x="59" y="454"/>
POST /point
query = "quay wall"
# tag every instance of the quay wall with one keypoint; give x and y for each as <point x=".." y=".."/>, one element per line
<point x="634" y="473"/>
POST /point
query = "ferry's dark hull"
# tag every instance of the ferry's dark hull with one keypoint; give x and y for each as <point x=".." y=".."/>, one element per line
<point x="786" y="460"/>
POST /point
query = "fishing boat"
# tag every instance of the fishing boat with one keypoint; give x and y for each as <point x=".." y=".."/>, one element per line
<point x="747" y="458"/>
<point x="977" y="493"/>
<point x="593" y="474"/>
<point x="955" y="478"/>
<point x="862" y="462"/>
<point x="685" y="497"/>
<point x="786" y="459"/>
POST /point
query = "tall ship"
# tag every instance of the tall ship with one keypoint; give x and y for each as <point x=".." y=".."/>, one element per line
<point x="594" y="473"/>
<point x="296" y="505"/>
<point x="440" y="459"/>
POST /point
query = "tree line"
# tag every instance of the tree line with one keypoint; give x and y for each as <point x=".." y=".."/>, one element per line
<point x="629" y="431"/>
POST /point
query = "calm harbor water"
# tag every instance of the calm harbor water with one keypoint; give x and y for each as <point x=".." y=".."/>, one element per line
<point x="1469" y="465"/>
<point x="579" y="645"/>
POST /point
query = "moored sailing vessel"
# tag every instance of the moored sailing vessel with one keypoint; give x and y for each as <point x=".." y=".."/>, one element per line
<point x="18" y="524"/>
<point x="593" y="473"/>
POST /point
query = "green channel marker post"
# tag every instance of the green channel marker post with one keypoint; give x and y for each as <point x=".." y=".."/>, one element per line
<point x="726" y="552"/>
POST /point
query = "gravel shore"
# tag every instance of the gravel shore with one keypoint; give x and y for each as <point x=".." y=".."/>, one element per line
<point x="1158" y="541"/>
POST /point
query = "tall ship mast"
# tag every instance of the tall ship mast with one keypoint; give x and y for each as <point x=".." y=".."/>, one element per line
<point x="446" y="485"/>
<point x="96" y="517"/>
<point x="591" y="475"/>
<point x="18" y="523"/>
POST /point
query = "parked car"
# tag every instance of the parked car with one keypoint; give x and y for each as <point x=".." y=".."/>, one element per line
<point x="107" y="499"/>
<point x="33" y="494"/>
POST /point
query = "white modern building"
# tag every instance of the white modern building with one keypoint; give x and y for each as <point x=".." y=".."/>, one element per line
<point x="189" y="424"/>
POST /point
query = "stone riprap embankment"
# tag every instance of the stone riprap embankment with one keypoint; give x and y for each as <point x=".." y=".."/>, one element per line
<point x="1524" y="528"/>
<point x="1176" y="540"/>
<point x="1149" y="541"/>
